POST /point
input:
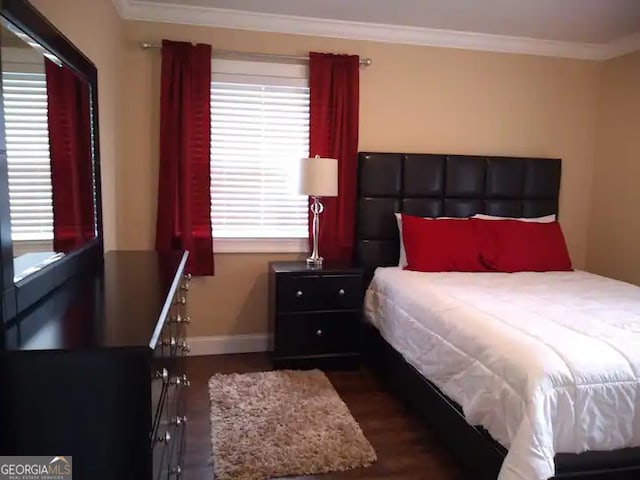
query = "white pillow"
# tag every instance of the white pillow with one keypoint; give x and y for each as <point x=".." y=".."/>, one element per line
<point x="402" y="258"/>
<point x="545" y="219"/>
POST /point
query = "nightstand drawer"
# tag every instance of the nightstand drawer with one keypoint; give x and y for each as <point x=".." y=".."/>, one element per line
<point x="312" y="293"/>
<point x="341" y="292"/>
<point x="316" y="333"/>
<point x="298" y="293"/>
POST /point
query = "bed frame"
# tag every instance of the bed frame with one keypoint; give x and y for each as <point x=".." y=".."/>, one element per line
<point x="458" y="186"/>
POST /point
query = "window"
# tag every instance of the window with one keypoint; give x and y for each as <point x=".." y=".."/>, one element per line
<point x="27" y="136"/>
<point x="259" y="133"/>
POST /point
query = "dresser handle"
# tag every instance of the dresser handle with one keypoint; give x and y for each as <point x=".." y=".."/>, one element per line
<point x="179" y="420"/>
<point x="162" y="374"/>
<point x="184" y="346"/>
<point x="299" y="293"/>
<point x="185" y="382"/>
<point x="175" y="471"/>
<point x="180" y="319"/>
<point x="169" y="343"/>
<point x="319" y="333"/>
<point x="166" y="438"/>
<point x="341" y="292"/>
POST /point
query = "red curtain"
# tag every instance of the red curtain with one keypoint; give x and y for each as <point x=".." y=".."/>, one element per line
<point x="184" y="196"/>
<point x="333" y="132"/>
<point x="69" y="125"/>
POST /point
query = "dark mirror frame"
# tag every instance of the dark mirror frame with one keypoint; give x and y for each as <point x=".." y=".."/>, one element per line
<point x="18" y="297"/>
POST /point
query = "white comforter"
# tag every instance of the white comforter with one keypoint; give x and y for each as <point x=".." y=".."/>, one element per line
<point x="546" y="362"/>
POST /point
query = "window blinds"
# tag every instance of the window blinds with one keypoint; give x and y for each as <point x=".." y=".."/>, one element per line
<point x="259" y="133"/>
<point x="27" y="136"/>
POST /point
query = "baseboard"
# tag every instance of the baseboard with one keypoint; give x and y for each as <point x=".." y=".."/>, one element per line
<point x="221" y="344"/>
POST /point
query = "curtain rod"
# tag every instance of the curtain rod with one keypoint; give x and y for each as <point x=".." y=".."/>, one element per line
<point x="365" y="62"/>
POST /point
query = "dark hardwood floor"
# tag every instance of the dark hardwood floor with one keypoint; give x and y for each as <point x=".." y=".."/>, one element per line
<point x="406" y="449"/>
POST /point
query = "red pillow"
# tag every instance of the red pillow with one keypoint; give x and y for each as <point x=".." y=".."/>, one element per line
<point x="513" y="246"/>
<point x="440" y="245"/>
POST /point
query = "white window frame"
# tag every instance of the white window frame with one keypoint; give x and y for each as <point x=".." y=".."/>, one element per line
<point x="260" y="245"/>
<point x="296" y="74"/>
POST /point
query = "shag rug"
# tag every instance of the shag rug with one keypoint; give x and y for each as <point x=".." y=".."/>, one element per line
<point x="286" y="422"/>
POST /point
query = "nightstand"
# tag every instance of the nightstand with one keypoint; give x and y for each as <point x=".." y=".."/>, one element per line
<point x="315" y="315"/>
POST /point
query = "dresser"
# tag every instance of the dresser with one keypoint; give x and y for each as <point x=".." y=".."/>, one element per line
<point x="95" y="371"/>
<point x="315" y="315"/>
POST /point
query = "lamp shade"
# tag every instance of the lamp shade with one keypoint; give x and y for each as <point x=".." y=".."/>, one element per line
<point x="319" y="177"/>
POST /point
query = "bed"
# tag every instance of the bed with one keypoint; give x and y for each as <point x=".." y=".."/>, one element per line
<point x="469" y="351"/>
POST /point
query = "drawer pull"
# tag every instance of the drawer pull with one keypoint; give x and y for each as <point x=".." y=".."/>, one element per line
<point x="180" y="381"/>
<point x="184" y="346"/>
<point x="180" y="319"/>
<point x="169" y="343"/>
<point x="165" y="438"/>
<point x="162" y="374"/>
<point x="179" y="420"/>
<point x="181" y="301"/>
<point x="319" y="333"/>
<point x="175" y="471"/>
<point x="299" y="293"/>
<point x="341" y="292"/>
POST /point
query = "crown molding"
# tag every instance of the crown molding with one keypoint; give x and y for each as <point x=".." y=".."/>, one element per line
<point x="622" y="46"/>
<point x="121" y="7"/>
<point x="224" y="18"/>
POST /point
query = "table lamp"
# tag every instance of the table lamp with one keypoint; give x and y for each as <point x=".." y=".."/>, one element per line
<point x="318" y="178"/>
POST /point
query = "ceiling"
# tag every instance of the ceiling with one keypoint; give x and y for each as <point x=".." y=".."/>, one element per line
<point x="591" y="29"/>
<point x="588" y="21"/>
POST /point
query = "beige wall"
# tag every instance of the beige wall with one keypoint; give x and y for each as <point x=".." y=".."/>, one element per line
<point x="413" y="99"/>
<point x="614" y="233"/>
<point x="96" y="29"/>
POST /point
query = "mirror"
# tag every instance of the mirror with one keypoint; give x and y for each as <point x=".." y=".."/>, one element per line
<point x="48" y="132"/>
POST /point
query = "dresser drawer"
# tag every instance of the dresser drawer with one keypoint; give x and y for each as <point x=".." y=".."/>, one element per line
<point x="174" y="392"/>
<point x="163" y="440"/>
<point x="162" y="366"/>
<point x="175" y="465"/>
<point x="167" y="451"/>
<point x="161" y="459"/>
<point x="159" y="384"/>
<point x="316" y="333"/>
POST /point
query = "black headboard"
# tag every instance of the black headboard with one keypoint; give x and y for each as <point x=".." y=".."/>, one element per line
<point x="429" y="185"/>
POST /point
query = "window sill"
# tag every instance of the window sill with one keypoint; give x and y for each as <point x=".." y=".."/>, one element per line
<point x="20" y="247"/>
<point x="260" y="245"/>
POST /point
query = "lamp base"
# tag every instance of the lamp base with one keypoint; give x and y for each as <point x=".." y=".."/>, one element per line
<point x="314" y="262"/>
